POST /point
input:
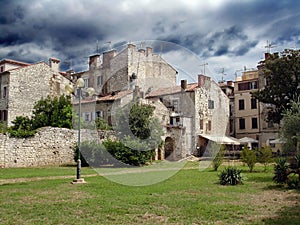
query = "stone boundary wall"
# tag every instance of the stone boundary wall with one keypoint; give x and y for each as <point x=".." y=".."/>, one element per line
<point x="49" y="147"/>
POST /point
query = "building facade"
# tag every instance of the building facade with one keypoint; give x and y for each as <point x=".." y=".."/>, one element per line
<point x="22" y="85"/>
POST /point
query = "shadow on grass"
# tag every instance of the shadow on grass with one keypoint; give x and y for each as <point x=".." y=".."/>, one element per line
<point x="287" y="215"/>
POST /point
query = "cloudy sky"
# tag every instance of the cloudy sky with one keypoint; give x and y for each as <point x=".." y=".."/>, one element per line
<point x="226" y="34"/>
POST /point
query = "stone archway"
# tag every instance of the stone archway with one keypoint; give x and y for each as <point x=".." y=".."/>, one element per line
<point x="169" y="147"/>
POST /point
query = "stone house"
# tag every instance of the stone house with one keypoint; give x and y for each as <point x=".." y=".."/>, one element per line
<point x="23" y="84"/>
<point x="197" y="112"/>
<point x="114" y="74"/>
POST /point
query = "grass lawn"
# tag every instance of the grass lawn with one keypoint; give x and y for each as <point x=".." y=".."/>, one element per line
<point x="189" y="197"/>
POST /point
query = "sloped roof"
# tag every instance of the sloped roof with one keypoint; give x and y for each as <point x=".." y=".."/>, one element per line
<point x="171" y="90"/>
<point x="14" y="62"/>
<point x="114" y="96"/>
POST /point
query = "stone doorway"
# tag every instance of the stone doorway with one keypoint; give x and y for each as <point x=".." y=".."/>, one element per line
<point x="169" y="148"/>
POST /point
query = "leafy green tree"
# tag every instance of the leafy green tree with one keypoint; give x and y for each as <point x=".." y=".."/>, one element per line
<point x="101" y="124"/>
<point x="136" y="121"/>
<point x="249" y="157"/>
<point x="291" y="127"/>
<point x="264" y="156"/>
<point x="55" y="112"/>
<point x="283" y="79"/>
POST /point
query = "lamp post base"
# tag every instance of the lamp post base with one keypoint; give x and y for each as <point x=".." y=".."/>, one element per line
<point x="78" y="181"/>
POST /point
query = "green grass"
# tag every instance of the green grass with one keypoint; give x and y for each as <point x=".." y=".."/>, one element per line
<point x="188" y="197"/>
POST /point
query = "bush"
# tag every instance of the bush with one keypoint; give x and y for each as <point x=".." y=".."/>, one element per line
<point x="129" y="156"/>
<point x="216" y="152"/>
<point x="293" y="181"/>
<point x="249" y="157"/>
<point x="92" y="154"/>
<point x="22" y="128"/>
<point x="281" y="171"/>
<point x="101" y="124"/>
<point x="230" y="176"/>
<point x="264" y="156"/>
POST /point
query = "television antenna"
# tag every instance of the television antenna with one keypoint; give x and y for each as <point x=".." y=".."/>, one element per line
<point x="204" y="64"/>
<point x="269" y="46"/>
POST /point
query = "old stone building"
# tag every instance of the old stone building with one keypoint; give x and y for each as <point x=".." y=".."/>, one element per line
<point x="187" y="112"/>
<point x="23" y="84"/>
<point x="197" y="112"/>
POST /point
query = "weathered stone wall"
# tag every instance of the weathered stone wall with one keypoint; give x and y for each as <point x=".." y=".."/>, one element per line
<point x="50" y="146"/>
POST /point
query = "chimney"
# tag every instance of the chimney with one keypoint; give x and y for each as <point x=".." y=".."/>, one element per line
<point x="203" y="80"/>
<point x="54" y="64"/>
<point x="141" y="51"/>
<point x="94" y="61"/>
<point x="131" y="46"/>
<point x="148" y="51"/>
<point x="229" y="83"/>
<point x="107" y="56"/>
<point x="183" y="85"/>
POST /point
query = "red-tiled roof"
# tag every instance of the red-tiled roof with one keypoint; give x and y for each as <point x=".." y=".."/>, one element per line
<point x="115" y="96"/>
<point x="10" y="61"/>
<point x="171" y="90"/>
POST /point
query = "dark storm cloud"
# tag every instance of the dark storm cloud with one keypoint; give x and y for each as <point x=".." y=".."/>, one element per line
<point x="34" y="30"/>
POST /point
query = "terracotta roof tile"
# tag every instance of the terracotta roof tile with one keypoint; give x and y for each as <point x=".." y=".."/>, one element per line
<point x="171" y="90"/>
<point x="115" y="96"/>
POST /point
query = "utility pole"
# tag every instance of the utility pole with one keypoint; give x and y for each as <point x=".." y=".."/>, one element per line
<point x="223" y="74"/>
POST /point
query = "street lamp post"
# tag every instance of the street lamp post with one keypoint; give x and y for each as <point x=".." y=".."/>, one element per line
<point x="90" y="91"/>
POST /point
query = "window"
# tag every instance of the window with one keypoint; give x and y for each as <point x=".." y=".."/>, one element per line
<point x="254" y="123"/>
<point x="247" y="86"/>
<point x="253" y="103"/>
<point x="211" y="104"/>
<point x="86" y="83"/>
<point x="242" y="124"/>
<point x="99" y="114"/>
<point x="4" y="92"/>
<point x="201" y="124"/>
<point x="175" y="105"/>
<point x="86" y="117"/>
<point x="3" y="115"/>
<point x="209" y="125"/>
<point x="99" y="80"/>
<point x="241" y="104"/>
<point x="253" y="85"/>
<point x="1" y="69"/>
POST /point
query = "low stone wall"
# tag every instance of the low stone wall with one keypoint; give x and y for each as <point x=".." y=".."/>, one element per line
<point x="50" y="146"/>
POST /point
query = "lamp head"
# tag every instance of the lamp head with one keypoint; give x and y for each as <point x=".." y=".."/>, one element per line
<point x="69" y="88"/>
<point x="80" y="83"/>
<point x="90" y="91"/>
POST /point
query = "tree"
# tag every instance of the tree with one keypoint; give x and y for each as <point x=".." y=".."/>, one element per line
<point x="283" y="78"/>
<point x="249" y="157"/>
<point x="264" y="156"/>
<point x="290" y="130"/>
<point x="136" y="121"/>
<point x="55" y="112"/>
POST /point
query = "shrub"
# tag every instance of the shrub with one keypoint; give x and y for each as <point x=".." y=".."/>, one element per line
<point x="22" y="127"/>
<point x="217" y="152"/>
<point x="264" y="156"/>
<point x="125" y="154"/>
<point x="101" y="124"/>
<point x="293" y="181"/>
<point x="230" y="176"/>
<point x="249" y="157"/>
<point x="281" y="171"/>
